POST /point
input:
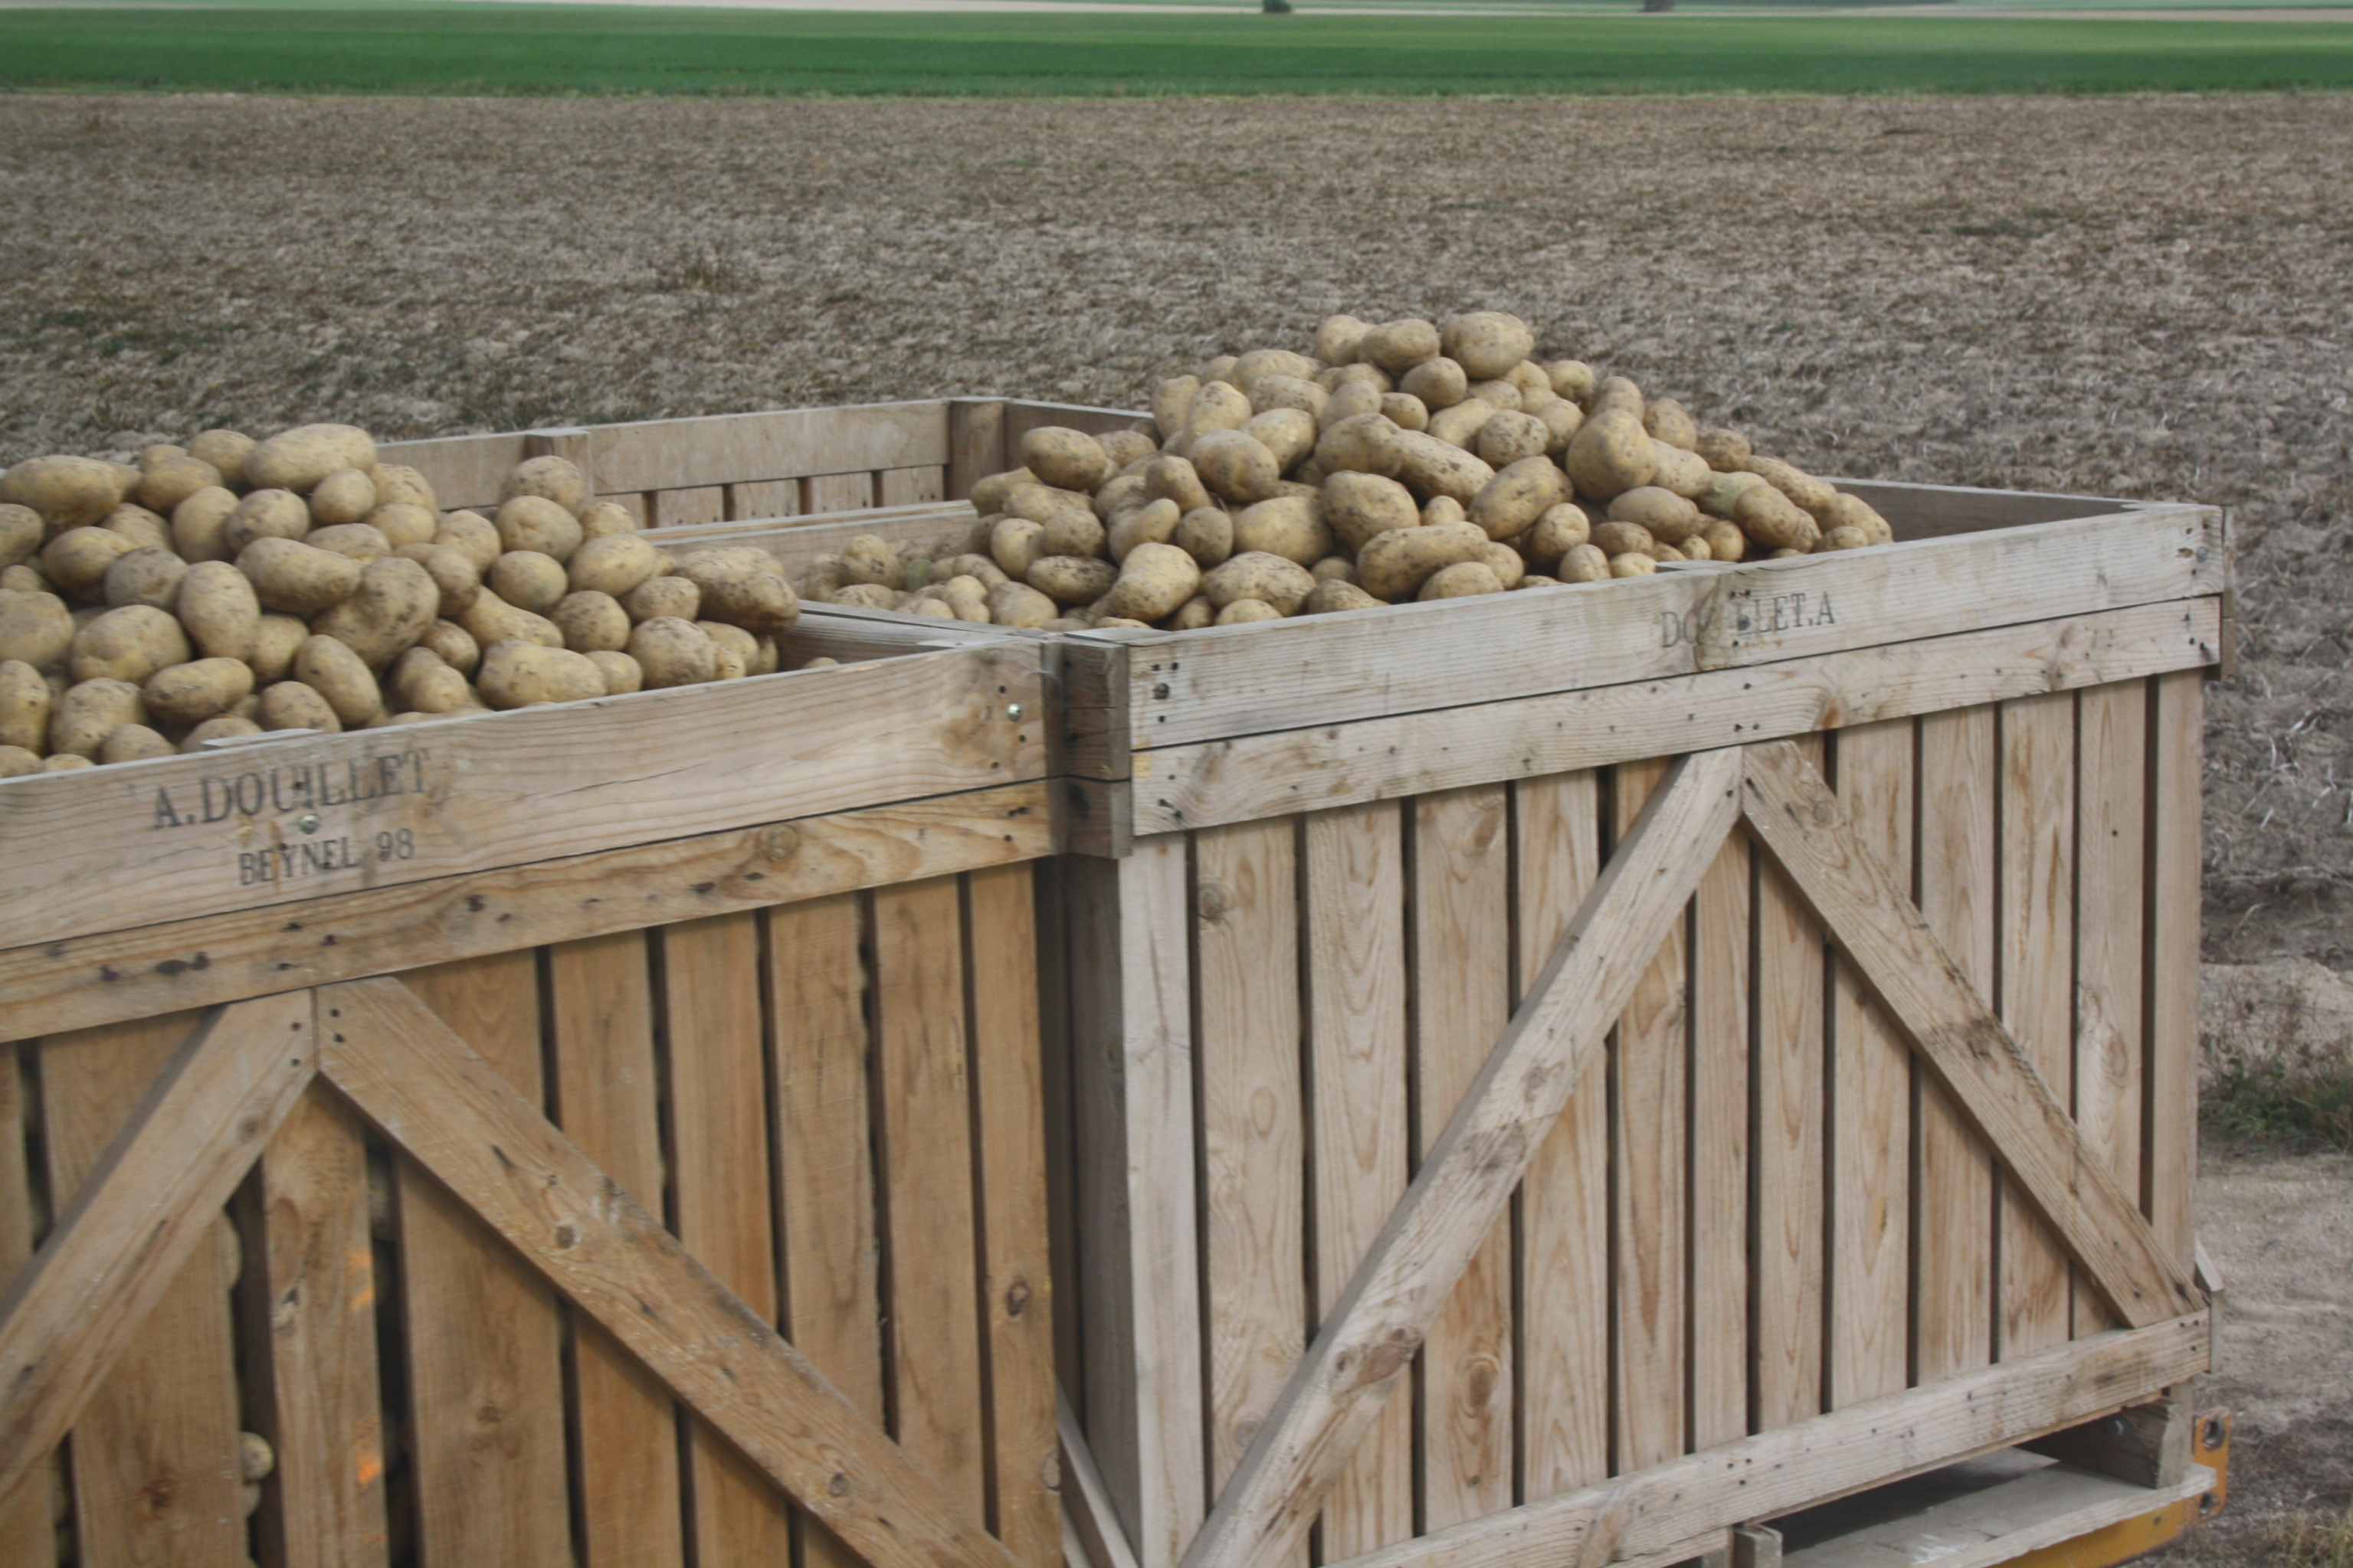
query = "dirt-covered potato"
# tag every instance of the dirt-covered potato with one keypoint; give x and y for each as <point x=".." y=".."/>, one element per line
<point x="558" y="479"/>
<point x="1853" y="512"/>
<point x="190" y="693"/>
<point x="1270" y="580"/>
<point x="1429" y="467"/>
<point x="356" y="540"/>
<point x="1349" y="401"/>
<point x="1771" y="519"/>
<point x="1069" y="460"/>
<point x="404" y="522"/>
<point x="490" y="619"/>
<point x="473" y="534"/>
<point x="226" y="450"/>
<point x="989" y="491"/>
<point x="1727" y="451"/>
<point x="524" y="675"/>
<point x="1725" y="492"/>
<point x="1678" y="472"/>
<point x="535" y="523"/>
<point x="452" y="571"/>
<point x="1271" y="392"/>
<point x="1073" y="532"/>
<point x="1072" y="579"/>
<point x="1508" y="504"/>
<point x="1171" y="406"/>
<point x="397" y="482"/>
<point x="1338" y="338"/>
<point x="330" y="668"/>
<point x="1507" y="564"/>
<point x="591" y="622"/>
<point x="1176" y="480"/>
<point x="1671" y="422"/>
<point x="298" y="460"/>
<point x="1843" y="537"/>
<point x="1463" y="580"/>
<point x="347" y="495"/>
<point x="88" y="711"/>
<point x="1812" y="494"/>
<point x="168" y="476"/>
<point x="1397" y="346"/>
<point x="1241" y="612"/>
<point x="297" y="578"/>
<point x="600" y="519"/>
<point x="220" y="727"/>
<point x="292" y="705"/>
<point x="869" y="559"/>
<point x="1725" y="540"/>
<point x="664" y="597"/>
<point x="1395" y="565"/>
<point x="1619" y="393"/>
<point x="670" y="651"/>
<point x="527" y="580"/>
<point x="1191" y="615"/>
<point x="1610" y="454"/>
<point x="1359" y="505"/>
<point x="1459" y="426"/>
<point x="1670" y="518"/>
<point x="1235" y="466"/>
<point x="1556" y="531"/>
<point x="1154" y="523"/>
<point x="1440" y="382"/>
<point x="25" y="701"/>
<point x="128" y="643"/>
<point x="1153" y="582"/>
<point x="421" y="681"/>
<point x="1509" y="438"/>
<point x="18" y="762"/>
<point x="612" y="563"/>
<point x="1486" y="343"/>
<point x="1334" y="595"/>
<point x="455" y="644"/>
<point x="396" y="601"/>
<point x="36" y="628"/>
<point x="1127" y="447"/>
<point x="1219" y="406"/>
<point x="1616" y="539"/>
<point x="1288" y="526"/>
<point x="264" y="514"/>
<point x="1207" y="535"/>
<point x="21" y="533"/>
<point x="1633" y="563"/>
<point x="733" y="649"/>
<point x="132" y="744"/>
<point x="621" y="673"/>
<point x="136" y="523"/>
<point x="1364" y="444"/>
<point x="745" y="587"/>
<point x="68" y="492"/>
<point x="1289" y="433"/>
<point x="21" y="579"/>
<point x="1014" y="604"/>
<point x="78" y="560"/>
<point x="148" y="575"/>
<point x="269" y="647"/>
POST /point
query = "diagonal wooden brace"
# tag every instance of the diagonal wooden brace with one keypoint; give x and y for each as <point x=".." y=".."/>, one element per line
<point x="453" y="1112"/>
<point x="155" y="1196"/>
<point x="1377" y="1325"/>
<point x="1869" y="915"/>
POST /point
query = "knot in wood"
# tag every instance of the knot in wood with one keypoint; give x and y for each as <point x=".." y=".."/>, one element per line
<point x="1389" y="1357"/>
<point x="1211" y="901"/>
<point x="780" y="843"/>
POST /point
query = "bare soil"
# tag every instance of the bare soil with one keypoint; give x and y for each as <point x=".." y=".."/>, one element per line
<point x="2145" y="297"/>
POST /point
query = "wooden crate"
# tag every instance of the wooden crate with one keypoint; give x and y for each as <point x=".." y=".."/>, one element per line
<point x="627" y="1114"/>
<point x="1698" y="1045"/>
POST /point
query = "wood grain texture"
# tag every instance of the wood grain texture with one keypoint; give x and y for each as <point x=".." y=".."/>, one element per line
<point x="25" y="1535"/>
<point x="1016" y="1282"/>
<point x="1790" y="1255"/>
<point x="1953" y="1190"/>
<point x="1325" y="669"/>
<point x="457" y="1114"/>
<point x="478" y="794"/>
<point x="1247" y="1035"/>
<point x="1328" y="763"/>
<point x="1723" y="935"/>
<point x="608" y="1091"/>
<point x="687" y="505"/>
<point x="2177" y="735"/>
<point x="2036" y="977"/>
<point x="716" y="1044"/>
<point x="1871" y="1103"/>
<point x="975" y="442"/>
<point x="1664" y="1510"/>
<point x="315" y="1396"/>
<point x="2111" y="876"/>
<point x="1651" y="1063"/>
<point x="1132" y="1048"/>
<point x="820" y="1055"/>
<point x="1563" y="1368"/>
<point x="484" y="1334"/>
<point x="933" y="527"/>
<point x="1470" y="1170"/>
<point x="910" y="487"/>
<point x="1873" y="920"/>
<point x="1461" y="1002"/>
<point x="118" y="1326"/>
<point x="154" y="1457"/>
<point x="924" y="1096"/>
<point x="1355" y="925"/>
<point x="662" y="454"/>
<point x="77" y="983"/>
<point x="1087" y="1508"/>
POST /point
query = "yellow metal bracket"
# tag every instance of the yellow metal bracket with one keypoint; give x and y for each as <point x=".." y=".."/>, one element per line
<point x="2210" y="1445"/>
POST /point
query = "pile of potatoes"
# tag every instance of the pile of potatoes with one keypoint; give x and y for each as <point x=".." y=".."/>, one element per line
<point x="231" y="587"/>
<point x="1406" y="460"/>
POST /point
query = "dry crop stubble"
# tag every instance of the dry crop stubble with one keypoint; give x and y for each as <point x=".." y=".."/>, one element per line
<point x="2141" y="297"/>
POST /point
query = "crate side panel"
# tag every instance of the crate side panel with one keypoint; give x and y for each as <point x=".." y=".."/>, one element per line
<point x="464" y="470"/>
<point x="2177" y="730"/>
<point x="782" y="444"/>
<point x="2112" y="788"/>
<point x="1723" y="935"/>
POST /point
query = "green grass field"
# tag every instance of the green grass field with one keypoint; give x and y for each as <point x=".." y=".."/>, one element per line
<point x="544" y="49"/>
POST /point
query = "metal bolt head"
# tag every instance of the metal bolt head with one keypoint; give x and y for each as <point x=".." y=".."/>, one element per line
<point x="1013" y="711"/>
<point x="2117" y="1428"/>
<point x="308" y="822"/>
